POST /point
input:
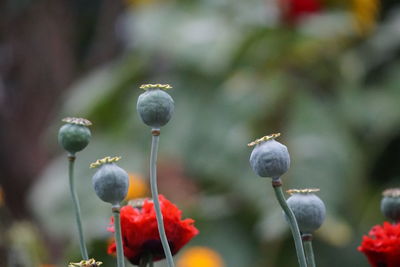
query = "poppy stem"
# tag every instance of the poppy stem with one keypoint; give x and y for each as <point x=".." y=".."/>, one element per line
<point x="154" y="193"/>
<point x="146" y="259"/>
<point x="277" y="185"/>
<point x="151" y="262"/>
<point x="307" y="241"/>
<point x="143" y="261"/>
<point x="118" y="237"/>
<point x="75" y="199"/>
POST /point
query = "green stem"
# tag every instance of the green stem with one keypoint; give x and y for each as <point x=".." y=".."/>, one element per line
<point x="75" y="199"/>
<point x="307" y="241"/>
<point x="118" y="236"/>
<point x="151" y="262"/>
<point x="143" y="261"/>
<point x="146" y="259"/>
<point x="154" y="193"/>
<point x="277" y="185"/>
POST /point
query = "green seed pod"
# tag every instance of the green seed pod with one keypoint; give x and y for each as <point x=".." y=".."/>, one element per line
<point x="308" y="209"/>
<point x="74" y="135"/>
<point x="390" y="204"/>
<point x="269" y="158"/>
<point x="155" y="106"/>
<point x="110" y="182"/>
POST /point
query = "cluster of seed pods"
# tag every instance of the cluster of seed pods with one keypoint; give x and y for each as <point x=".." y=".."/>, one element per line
<point x="304" y="211"/>
<point x="110" y="182"/>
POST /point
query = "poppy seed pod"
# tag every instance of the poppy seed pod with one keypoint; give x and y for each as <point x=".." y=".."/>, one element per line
<point x="155" y="106"/>
<point x="75" y="134"/>
<point x="308" y="209"/>
<point x="269" y="158"/>
<point x="110" y="182"/>
<point x="390" y="204"/>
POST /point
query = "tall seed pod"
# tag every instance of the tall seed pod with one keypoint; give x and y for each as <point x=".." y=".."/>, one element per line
<point x="270" y="158"/>
<point x="74" y="136"/>
<point x="155" y="108"/>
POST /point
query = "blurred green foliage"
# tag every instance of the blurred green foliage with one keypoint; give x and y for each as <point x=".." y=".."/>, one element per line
<point x="238" y="74"/>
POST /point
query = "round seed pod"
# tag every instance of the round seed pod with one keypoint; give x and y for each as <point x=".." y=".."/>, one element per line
<point x="155" y="106"/>
<point x="110" y="182"/>
<point x="74" y="135"/>
<point x="308" y="209"/>
<point x="390" y="204"/>
<point x="269" y="158"/>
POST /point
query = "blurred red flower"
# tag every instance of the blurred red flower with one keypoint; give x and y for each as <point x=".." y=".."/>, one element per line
<point x="382" y="246"/>
<point x="294" y="10"/>
<point x="140" y="235"/>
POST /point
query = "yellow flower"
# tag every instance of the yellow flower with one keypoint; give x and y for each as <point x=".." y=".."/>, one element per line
<point x="137" y="187"/>
<point x="365" y="14"/>
<point x="200" y="257"/>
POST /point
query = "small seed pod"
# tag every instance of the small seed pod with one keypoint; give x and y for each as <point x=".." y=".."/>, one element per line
<point x="308" y="209"/>
<point x="269" y="158"/>
<point x="74" y="135"/>
<point x="110" y="182"/>
<point x="390" y="204"/>
<point x="155" y="106"/>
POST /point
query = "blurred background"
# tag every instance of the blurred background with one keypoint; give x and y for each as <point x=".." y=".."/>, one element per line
<point x="324" y="73"/>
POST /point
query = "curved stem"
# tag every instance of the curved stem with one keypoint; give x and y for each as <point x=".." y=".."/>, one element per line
<point x="118" y="236"/>
<point x="307" y="241"/>
<point x="154" y="193"/>
<point x="277" y="185"/>
<point x="75" y="199"/>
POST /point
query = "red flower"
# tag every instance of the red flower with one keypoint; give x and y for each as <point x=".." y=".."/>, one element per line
<point x="294" y="10"/>
<point x="140" y="233"/>
<point x="382" y="246"/>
